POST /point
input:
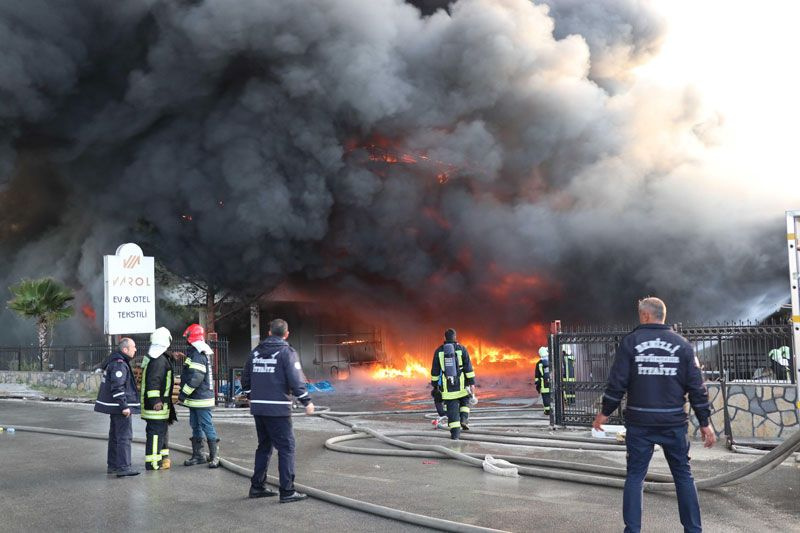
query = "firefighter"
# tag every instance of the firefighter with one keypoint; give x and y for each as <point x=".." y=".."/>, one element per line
<point x="270" y="378"/>
<point x="451" y="365"/>
<point x="118" y="397"/>
<point x="779" y="361"/>
<point x="657" y="369"/>
<point x="197" y="393"/>
<point x="543" y="378"/>
<point x="568" y="366"/>
<point x="158" y="368"/>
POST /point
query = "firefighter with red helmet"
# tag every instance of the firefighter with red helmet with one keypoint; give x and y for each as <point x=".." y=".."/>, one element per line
<point x="197" y="393"/>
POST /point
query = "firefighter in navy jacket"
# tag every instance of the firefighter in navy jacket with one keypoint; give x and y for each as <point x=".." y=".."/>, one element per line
<point x="452" y="371"/>
<point x="270" y="378"/>
<point x="197" y="393"/>
<point x="657" y="369"/>
<point x="118" y="397"/>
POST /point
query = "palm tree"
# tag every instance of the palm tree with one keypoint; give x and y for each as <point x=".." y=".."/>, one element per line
<point x="45" y="300"/>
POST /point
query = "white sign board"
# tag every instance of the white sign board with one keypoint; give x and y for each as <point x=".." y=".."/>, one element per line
<point x="130" y="291"/>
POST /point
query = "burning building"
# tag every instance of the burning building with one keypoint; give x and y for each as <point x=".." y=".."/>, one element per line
<point x="482" y="164"/>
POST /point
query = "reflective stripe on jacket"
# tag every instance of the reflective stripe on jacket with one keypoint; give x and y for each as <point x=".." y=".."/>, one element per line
<point x="569" y="375"/>
<point x="157" y="382"/>
<point x="542" y="382"/>
<point x="196" y="389"/>
<point x="117" y="387"/>
<point x="271" y="377"/>
<point x="466" y="375"/>
<point x="657" y="369"/>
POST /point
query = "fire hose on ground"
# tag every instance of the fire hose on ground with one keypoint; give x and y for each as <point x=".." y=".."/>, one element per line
<point x="544" y="468"/>
<point x="580" y="473"/>
<point x="336" y="499"/>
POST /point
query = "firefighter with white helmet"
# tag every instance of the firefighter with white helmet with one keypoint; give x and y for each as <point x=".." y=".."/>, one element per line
<point x="156" y="398"/>
<point x="542" y="378"/>
<point x="197" y="393"/>
<point x="780" y="361"/>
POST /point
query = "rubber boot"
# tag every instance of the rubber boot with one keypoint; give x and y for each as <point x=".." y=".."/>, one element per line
<point x="198" y="457"/>
<point x="455" y="433"/>
<point x="213" y="459"/>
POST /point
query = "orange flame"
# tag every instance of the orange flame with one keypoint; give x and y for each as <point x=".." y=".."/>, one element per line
<point x="384" y="150"/>
<point x="488" y="358"/>
<point x="89" y="312"/>
<point x="413" y="369"/>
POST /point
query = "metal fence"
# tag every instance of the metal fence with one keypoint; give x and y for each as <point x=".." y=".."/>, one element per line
<point x="57" y="358"/>
<point x="92" y="357"/>
<point x="728" y="353"/>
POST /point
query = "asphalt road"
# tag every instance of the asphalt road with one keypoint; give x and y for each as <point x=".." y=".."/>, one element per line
<point x="53" y="483"/>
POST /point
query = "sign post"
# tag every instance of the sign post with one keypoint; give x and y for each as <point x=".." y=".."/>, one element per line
<point x="129" y="295"/>
<point x="793" y="240"/>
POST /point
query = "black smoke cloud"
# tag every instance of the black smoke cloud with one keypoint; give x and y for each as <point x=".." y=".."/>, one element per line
<point x="570" y="190"/>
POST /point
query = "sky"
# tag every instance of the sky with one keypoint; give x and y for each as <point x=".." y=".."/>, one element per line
<point x="739" y="56"/>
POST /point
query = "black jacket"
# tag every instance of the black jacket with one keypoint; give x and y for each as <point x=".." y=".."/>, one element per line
<point x="657" y="368"/>
<point x="197" y="391"/>
<point x="271" y="376"/>
<point x="542" y="376"/>
<point x="464" y="370"/>
<point x="157" y="379"/>
<point x="117" y="387"/>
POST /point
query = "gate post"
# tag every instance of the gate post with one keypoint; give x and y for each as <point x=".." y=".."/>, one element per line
<point x="723" y="389"/>
<point x="556" y="398"/>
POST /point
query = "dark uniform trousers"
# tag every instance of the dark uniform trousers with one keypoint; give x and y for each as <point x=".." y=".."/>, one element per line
<point x="156" y="447"/>
<point x="457" y="411"/>
<point x="274" y="431"/>
<point x="120" y="435"/>
<point x="546" y="402"/>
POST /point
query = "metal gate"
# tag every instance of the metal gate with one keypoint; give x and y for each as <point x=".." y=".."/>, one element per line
<point x="728" y="353"/>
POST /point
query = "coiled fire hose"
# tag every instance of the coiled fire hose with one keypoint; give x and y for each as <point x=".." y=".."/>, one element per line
<point x="580" y="473"/>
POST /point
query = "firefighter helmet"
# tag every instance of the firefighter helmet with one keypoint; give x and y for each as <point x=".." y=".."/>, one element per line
<point x="544" y="352"/>
<point x="159" y="341"/>
<point x="195" y="333"/>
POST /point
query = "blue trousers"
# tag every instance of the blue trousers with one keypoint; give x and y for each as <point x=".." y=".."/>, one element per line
<point x="120" y="435"/>
<point x="200" y="421"/>
<point x="674" y="441"/>
<point x="274" y="431"/>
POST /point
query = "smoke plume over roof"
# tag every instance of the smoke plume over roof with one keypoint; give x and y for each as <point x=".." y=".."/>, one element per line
<point x="492" y="163"/>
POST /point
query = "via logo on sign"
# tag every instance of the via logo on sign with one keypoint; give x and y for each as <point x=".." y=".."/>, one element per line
<point x="131" y="261"/>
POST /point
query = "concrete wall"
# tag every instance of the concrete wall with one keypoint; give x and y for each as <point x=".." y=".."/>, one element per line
<point x="82" y="381"/>
<point x="762" y="410"/>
